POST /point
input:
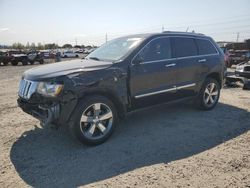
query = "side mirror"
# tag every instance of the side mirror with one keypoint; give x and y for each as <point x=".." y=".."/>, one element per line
<point x="138" y="60"/>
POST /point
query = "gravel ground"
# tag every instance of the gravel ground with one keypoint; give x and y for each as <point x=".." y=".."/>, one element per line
<point x="164" y="146"/>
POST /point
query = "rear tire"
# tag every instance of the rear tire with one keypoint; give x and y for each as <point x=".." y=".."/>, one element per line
<point x="5" y="63"/>
<point x="209" y="95"/>
<point x="93" y="120"/>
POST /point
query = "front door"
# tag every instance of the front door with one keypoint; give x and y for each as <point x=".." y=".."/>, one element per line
<point x="153" y="79"/>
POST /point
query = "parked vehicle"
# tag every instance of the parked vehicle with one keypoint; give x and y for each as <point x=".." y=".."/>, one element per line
<point x="243" y="70"/>
<point x="69" y="54"/>
<point x="90" y="95"/>
<point x="227" y="56"/>
<point x="80" y="51"/>
<point x="238" y="56"/>
<point x="48" y="54"/>
<point x="5" y="58"/>
<point x="17" y="57"/>
<point x="35" y="57"/>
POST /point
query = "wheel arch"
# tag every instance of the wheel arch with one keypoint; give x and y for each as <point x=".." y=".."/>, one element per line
<point x="120" y="106"/>
<point x="216" y="76"/>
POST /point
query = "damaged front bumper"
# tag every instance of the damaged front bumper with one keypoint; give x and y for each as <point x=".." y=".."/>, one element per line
<point x="47" y="114"/>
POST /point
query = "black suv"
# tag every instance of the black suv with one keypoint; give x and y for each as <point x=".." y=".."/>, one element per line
<point x="90" y="95"/>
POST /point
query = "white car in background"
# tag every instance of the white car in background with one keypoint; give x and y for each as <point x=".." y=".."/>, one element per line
<point x="69" y="54"/>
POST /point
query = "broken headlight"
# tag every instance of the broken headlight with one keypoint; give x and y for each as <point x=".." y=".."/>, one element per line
<point x="49" y="89"/>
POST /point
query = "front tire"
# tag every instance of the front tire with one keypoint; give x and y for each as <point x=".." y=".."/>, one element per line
<point x="94" y="120"/>
<point x="14" y="63"/>
<point x="24" y="62"/>
<point x="209" y="94"/>
<point x="41" y="61"/>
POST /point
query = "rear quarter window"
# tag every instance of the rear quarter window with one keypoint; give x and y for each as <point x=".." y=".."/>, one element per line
<point x="205" y="47"/>
<point x="184" y="47"/>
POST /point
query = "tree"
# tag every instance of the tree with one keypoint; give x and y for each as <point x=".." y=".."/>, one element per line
<point x="33" y="46"/>
<point x="40" y="46"/>
<point x="67" y="46"/>
<point x="77" y="46"/>
<point x="27" y="45"/>
<point x="18" y="46"/>
<point x="51" y="46"/>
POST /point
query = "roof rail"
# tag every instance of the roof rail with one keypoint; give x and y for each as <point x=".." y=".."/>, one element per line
<point x="182" y="32"/>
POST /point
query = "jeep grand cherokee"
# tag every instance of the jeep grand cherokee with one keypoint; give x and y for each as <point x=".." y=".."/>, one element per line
<point x="91" y="94"/>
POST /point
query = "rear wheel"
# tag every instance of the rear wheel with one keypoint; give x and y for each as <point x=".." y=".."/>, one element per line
<point x="5" y="63"/>
<point x="209" y="94"/>
<point x="94" y="120"/>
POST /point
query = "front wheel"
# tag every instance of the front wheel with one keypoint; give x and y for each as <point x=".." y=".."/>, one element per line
<point x="24" y="62"/>
<point x="14" y="63"/>
<point x="209" y="94"/>
<point x="94" y="120"/>
<point x="41" y="61"/>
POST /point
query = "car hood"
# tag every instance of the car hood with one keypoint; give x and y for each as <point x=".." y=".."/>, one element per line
<point x="64" y="68"/>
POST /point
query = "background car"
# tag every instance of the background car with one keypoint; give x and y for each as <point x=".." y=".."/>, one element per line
<point x="227" y="56"/>
<point x="69" y="54"/>
<point x="238" y="56"/>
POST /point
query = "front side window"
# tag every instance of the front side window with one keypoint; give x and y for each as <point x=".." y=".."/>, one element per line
<point x="205" y="47"/>
<point x="184" y="47"/>
<point x="115" y="50"/>
<point x="157" y="49"/>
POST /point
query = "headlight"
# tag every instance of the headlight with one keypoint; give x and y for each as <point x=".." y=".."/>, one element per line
<point x="239" y="68"/>
<point x="49" y="89"/>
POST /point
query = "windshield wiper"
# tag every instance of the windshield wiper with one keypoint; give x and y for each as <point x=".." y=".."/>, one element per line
<point x="94" y="58"/>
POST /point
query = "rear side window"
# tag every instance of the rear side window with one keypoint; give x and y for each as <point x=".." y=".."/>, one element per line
<point x="205" y="47"/>
<point x="184" y="47"/>
<point x="158" y="49"/>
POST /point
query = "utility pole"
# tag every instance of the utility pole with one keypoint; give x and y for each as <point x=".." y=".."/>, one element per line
<point x="238" y="36"/>
<point x="162" y="28"/>
<point x="106" y="38"/>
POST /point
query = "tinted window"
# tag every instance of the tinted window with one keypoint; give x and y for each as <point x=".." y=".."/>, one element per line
<point x="205" y="47"/>
<point x="184" y="47"/>
<point x="157" y="49"/>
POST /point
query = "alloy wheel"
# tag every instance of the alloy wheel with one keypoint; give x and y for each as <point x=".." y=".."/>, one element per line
<point x="211" y="94"/>
<point x="96" y="121"/>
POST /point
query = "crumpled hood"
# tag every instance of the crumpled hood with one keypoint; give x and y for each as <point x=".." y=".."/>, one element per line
<point x="64" y="68"/>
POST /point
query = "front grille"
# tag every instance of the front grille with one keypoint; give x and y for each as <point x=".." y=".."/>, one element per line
<point x="27" y="88"/>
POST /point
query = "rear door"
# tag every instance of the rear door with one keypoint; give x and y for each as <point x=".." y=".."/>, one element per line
<point x="153" y="80"/>
<point x="185" y="51"/>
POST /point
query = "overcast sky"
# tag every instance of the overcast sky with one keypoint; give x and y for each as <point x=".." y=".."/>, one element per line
<point x="88" y="21"/>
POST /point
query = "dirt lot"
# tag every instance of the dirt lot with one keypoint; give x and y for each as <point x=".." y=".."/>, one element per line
<point x="165" y="146"/>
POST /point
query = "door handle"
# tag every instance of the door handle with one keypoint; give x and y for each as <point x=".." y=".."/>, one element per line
<point x="170" y="65"/>
<point x="202" y="60"/>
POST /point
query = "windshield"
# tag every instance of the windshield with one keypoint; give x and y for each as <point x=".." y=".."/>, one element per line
<point x="115" y="50"/>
